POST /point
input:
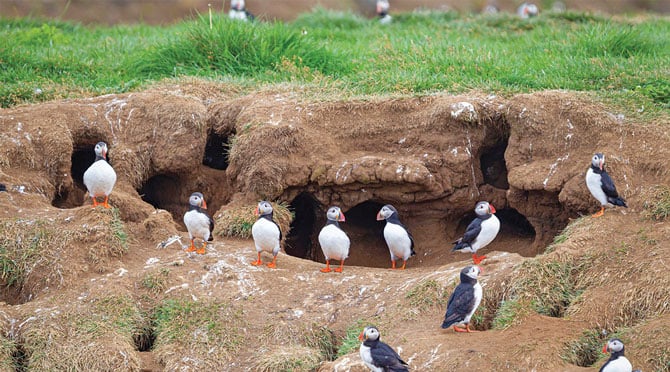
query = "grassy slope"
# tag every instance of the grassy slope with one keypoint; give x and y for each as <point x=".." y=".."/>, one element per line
<point x="625" y="59"/>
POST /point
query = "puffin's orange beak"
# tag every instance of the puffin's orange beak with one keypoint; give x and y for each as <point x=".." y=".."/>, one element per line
<point x="204" y="204"/>
<point x="605" y="349"/>
<point x="360" y="337"/>
<point x="104" y="154"/>
<point x="379" y="216"/>
<point x="341" y="217"/>
<point x="600" y="164"/>
<point x="256" y="211"/>
<point x="492" y="209"/>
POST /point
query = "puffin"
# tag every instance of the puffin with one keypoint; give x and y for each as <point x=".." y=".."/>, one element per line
<point x="601" y="186"/>
<point x="617" y="361"/>
<point x="397" y="236"/>
<point x="100" y="177"/>
<point x="464" y="301"/>
<point x="333" y="240"/>
<point x="480" y="232"/>
<point x="239" y="11"/>
<point x="383" y="12"/>
<point x="198" y="222"/>
<point x="527" y="10"/>
<point x="378" y="356"/>
<point x="266" y="233"/>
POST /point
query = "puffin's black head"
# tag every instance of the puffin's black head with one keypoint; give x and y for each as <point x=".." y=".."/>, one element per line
<point x="387" y="211"/>
<point x="197" y="200"/>
<point x="370" y="333"/>
<point x="264" y="208"/>
<point x="101" y="150"/>
<point x="598" y="160"/>
<point x="483" y="208"/>
<point x="335" y="214"/>
<point x="469" y="274"/>
<point x="613" y="346"/>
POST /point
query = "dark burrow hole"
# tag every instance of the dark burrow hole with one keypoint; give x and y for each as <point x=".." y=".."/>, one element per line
<point x="82" y="158"/>
<point x="144" y="340"/>
<point x="492" y="162"/>
<point x="587" y="349"/>
<point x="365" y="232"/>
<point x="165" y="191"/>
<point x="19" y="358"/>
<point x="216" y="151"/>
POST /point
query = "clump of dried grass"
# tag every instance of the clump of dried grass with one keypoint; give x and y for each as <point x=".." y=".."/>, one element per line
<point x="309" y="335"/>
<point x="97" y="335"/>
<point x="236" y="220"/>
<point x="293" y="358"/>
<point x="657" y="203"/>
<point x="209" y="332"/>
<point x="104" y="238"/>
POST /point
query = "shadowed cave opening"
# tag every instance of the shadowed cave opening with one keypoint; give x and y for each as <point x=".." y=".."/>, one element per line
<point x="165" y="191"/>
<point x="492" y="163"/>
<point x="82" y="158"/>
<point x="216" y="151"/>
<point x="302" y="239"/>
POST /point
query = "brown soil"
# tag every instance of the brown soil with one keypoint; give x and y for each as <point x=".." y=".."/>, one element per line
<point x="167" y="11"/>
<point x="432" y="157"/>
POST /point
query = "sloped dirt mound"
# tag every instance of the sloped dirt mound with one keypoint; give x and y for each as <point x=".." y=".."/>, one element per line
<point x="432" y="157"/>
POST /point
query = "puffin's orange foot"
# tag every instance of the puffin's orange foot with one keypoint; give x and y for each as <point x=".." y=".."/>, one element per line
<point x="191" y="248"/>
<point x="338" y="270"/>
<point x="477" y="259"/>
<point x="459" y="329"/>
<point x="602" y="211"/>
<point x="257" y="263"/>
<point x="326" y="270"/>
<point x="200" y="251"/>
<point x="272" y="265"/>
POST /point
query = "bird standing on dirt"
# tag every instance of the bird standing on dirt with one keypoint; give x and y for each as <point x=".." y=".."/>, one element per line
<point x="333" y="240"/>
<point x="378" y="356"/>
<point x="397" y="236"/>
<point x="100" y="177"/>
<point x="266" y="233"/>
<point x="464" y="301"/>
<point x="480" y="232"/>
<point x="198" y="222"/>
<point x="617" y="361"/>
<point x="239" y="11"/>
<point x="383" y="12"/>
<point x="601" y="186"/>
<point x="527" y="10"/>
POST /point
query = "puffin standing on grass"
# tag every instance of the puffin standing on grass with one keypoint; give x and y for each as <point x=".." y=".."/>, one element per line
<point x="480" y="232"/>
<point x="266" y="233"/>
<point x="333" y="240"/>
<point x="464" y="301"/>
<point x="100" y="177"/>
<point x="378" y="356"/>
<point x="397" y="236"/>
<point x="239" y="11"/>
<point x="601" y="186"/>
<point x="198" y="222"/>
<point x="617" y="361"/>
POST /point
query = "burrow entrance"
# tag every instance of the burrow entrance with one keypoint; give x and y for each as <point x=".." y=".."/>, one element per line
<point x="216" y="151"/>
<point x="83" y="156"/>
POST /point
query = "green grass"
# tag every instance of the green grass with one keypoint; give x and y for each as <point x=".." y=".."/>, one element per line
<point x="350" y="341"/>
<point x="623" y="60"/>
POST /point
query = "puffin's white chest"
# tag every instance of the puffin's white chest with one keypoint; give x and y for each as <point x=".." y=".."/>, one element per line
<point x="100" y="178"/>
<point x="595" y="186"/>
<point x="366" y="357"/>
<point x="489" y="231"/>
<point x="398" y="241"/>
<point x="478" y="294"/>
<point x="266" y="235"/>
<point x="334" y="243"/>
<point x="620" y="364"/>
<point x="197" y="224"/>
<point x="237" y="14"/>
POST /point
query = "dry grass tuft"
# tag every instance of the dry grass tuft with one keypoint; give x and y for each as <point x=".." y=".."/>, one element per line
<point x="312" y="336"/>
<point x="587" y="349"/>
<point x="97" y="335"/>
<point x="236" y="221"/>
<point x="657" y="203"/>
<point x="288" y="359"/>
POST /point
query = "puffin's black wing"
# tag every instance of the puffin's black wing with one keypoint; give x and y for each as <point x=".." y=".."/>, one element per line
<point x="460" y="304"/>
<point x="471" y="233"/>
<point x="385" y="357"/>
<point x="610" y="190"/>
<point x="278" y="228"/>
<point x="211" y="227"/>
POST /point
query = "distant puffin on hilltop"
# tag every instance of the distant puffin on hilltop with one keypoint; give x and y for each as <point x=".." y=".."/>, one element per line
<point x="383" y="12"/>
<point x="238" y="11"/>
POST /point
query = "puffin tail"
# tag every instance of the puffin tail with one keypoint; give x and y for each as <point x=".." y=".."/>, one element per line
<point x="211" y="238"/>
<point x="460" y="245"/>
<point x="618" y="201"/>
<point x="446" y="324"/>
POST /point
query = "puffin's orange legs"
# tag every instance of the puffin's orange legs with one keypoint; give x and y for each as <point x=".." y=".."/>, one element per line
<point x="273" y="264"/>
<point x="95" y="202"/>
<point x="202" y="250"/>
<point x="258" y="262"/>
<point x="466" y="329"/>
<point x="192" y="247"/>
<point x="602" y="211"/>
<point x="339" y="269"/>
<point x="477" y="259"/>
<point x="392" y="264"/>
<point x="105" y="203"/>
<point x="327" y="268"/>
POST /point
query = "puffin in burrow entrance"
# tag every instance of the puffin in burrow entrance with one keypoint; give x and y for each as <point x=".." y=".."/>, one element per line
<point x="378" y="356"/>
<point x="601" y="186"/>
<point x="480" y="232"/>
<point x="398" y="238"/>
<point x="464" y="301"/>
<point x="333" y="240"/>
<point x="100" y="177"/>
<point x="266" y="233"/>
<point x="198" y="222"/>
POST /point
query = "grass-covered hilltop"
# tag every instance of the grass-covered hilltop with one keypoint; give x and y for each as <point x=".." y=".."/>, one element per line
<point x="626" y="59"/>
<point x="431" y="113"/>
